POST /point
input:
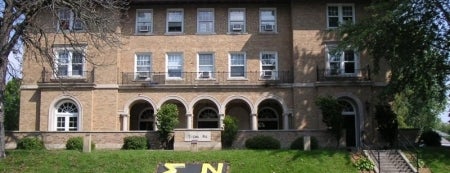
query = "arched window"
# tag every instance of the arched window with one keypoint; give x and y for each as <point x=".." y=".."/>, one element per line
<point x="267" y="119"/>
<point x="67" y="116"/>
<point x="146" y="119"/>
<point x="208" y="118"/>
<point x="348" y="108"/>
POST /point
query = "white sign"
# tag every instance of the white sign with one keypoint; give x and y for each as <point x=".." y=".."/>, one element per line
<point x="199" y="136"/>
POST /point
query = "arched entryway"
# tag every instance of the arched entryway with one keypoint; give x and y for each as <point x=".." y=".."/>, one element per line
<point x="206" y="114"/>
<point x="142" y="116"/>
<point x="350" y="117"/>
<point x="241" y="111"/>
<point x="269" y="115"/>
<point x="182" y="119"/>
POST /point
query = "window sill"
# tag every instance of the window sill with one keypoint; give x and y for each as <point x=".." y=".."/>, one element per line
<point x="174" y="33"/>
<point x="268" y="33"/>
<point x="205" y="33"/>
<point x="237" y="33"/>
<point x="237" y="79"/>
<point x="143" y="34"/>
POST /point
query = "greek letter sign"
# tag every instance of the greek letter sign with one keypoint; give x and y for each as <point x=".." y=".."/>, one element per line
<point x="192" y="168"/>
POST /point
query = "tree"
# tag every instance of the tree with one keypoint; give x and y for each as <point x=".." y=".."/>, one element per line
<point x="167" y="119"/>
<point x="413" y="38"/>
<point x="12" y="104"/>
<point x="332" y="115"/>
<point x="230" y="131"/>
<point x="387" y="123"/>
<point x="22" y="25"/>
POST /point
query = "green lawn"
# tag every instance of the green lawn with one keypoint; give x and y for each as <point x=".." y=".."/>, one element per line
<point x="245" y="161"/>
<point x="437" y="159"/>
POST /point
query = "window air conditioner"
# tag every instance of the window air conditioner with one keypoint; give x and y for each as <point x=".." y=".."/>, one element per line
<point x="205" y="74"/>
<point x="237" y="27"/>
<point x="144" y="28"/>
<point x="77" y="25"/>
<point x="268" y="28"/>
<point x="267" y="74"/>
<point x="143" y="76"/>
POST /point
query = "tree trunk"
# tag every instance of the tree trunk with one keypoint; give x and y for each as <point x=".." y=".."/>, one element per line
<point x="3" y="70"/>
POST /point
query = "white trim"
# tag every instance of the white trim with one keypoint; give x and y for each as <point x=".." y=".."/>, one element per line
<point x="150" y="25"/>
<point x="274" y="74"/>
<point x="238" y="97"/>
<point x="213" y="20"/>
<point x="167" y="20"/>
<point x="180" y="54"/>
<point x="203" y="97"/>
<point x="211" y="73"/>
<point x="340" y="15"/>
<point x="244" y="26"/>
<point x="149" y="54"/>
<point x="245" y="66"/>
<point x="274" y="29"/>
<point x="70" y="50"/>
<point x="53" y="107"/>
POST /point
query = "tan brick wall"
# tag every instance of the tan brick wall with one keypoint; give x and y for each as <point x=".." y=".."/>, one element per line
<point x="29" y="110"/>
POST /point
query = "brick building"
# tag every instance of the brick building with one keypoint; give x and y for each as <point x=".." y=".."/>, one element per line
<point x="263" y="62"/>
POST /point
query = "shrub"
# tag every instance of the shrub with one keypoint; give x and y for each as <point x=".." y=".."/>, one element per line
<point x="230" y="131"/>
<point x="30" y="143"/>
<point x="262" y="142"/>
<point x="135" y="143"/>
<point x="364" y="164"/>
<point x="431" y="138"/>
<point x="167" y="117"/>
<point x="297" y="144"/>
<point x="76" y="143"/>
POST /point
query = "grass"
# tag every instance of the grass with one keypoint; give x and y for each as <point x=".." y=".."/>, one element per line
<point x="258" y="161"/>
<point x="437" y="159"/>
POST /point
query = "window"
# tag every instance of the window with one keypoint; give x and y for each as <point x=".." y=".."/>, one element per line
<point x="67" y="20"/>
<point x="341" y="63"/>
<point x="267" y="119"/>
<point x="267" y="20"/>
<point x="237" y="65"/>
<point x="208" y="118"/>
<point x="143" y="66"/>
<point x="269" y="65"/>
<point x="69" y="62"/>
<point x="175" y="21"/>
<point x="339" y="13"/>
<point x="66" y="116"/>
<point x="205" y="20"/>
<point x="236" y="20"/>
<point x="205" y="65"/>
<point x="144" y="21"/>
<point x="146" y="119"/>
<point x="174" y="65"/>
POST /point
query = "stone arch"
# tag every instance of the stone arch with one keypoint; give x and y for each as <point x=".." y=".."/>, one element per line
<point x="273" y="97"/>
<point x="55" y="102"/>
<point x="178" y="98"/>
<point x="182" y="109"/>
<point x="236" y="97"/>
<point x="130" y="102"/>
<point x="202" y="97"/>
<point x="359" y="112"/>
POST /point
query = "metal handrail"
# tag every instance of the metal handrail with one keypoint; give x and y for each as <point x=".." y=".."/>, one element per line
<point x="406" y="145"/>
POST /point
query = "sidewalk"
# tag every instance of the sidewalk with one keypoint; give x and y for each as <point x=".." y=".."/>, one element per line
<point x="444" y="142"/>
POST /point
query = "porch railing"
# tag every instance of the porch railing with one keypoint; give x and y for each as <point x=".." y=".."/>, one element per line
<point x="206" y="78"/>
<point x="362" y="74"/>
<point x="49" y="76"/>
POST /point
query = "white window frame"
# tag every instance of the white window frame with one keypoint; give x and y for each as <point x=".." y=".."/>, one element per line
<point x="263" y="23"/>
<point x="199" y="20"/>
<point x="73" y="22"/>
<point x="211" y="73"/>
<point x="232" y="22"/>
<point x="342" y="62"/>
<point x="274" y="71"/>
<point x="168" y="56"/>
<point x="70" y="64"/>
<point x="340" y="15"/>
<point x="146" y="24"/>
<point x="230" y="55"/>
<point x="140" y="74"/>
<point x="208" y="119"/>
<point x="276" y="119"/>
<point x="66" y="116"/>
<point x="169" y="11"/>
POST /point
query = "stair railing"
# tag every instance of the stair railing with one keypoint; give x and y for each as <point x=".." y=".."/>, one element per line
<point x="406" y="145"/>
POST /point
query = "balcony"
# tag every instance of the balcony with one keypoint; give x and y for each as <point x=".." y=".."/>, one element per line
<point x="362" y="74"/>
<point x="48" y="77"/>
<point x="206" y="78"/>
